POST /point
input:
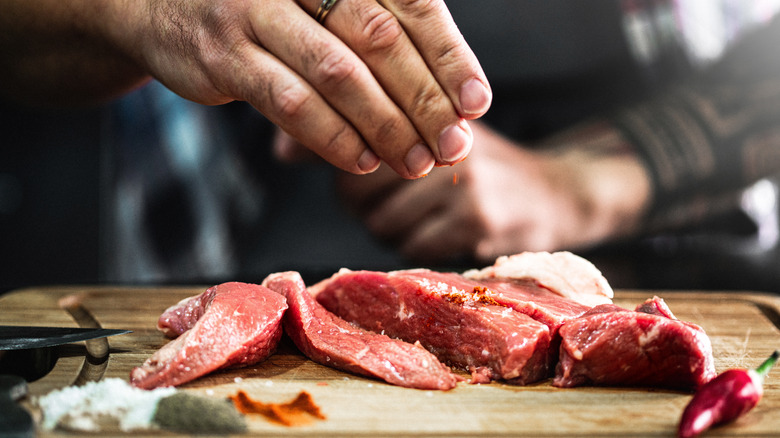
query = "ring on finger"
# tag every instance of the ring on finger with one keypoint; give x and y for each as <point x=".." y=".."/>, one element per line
<point x="323" y="9"/>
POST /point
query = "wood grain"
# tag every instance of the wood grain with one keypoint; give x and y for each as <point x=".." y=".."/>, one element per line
<point x="741" y="325"/>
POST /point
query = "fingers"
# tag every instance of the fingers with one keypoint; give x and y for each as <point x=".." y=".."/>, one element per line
<point x="431" y="29"/>
<point x="441" y="238"/>
<point x="292" y="104"/>
<point x="379" y="37"/>
<point x="405" y="209"/>
<point x="342" y="79"/>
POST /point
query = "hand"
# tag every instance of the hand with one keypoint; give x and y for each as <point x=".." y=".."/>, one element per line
<point x="506" y="199"/>
<point x="393" y="81"/>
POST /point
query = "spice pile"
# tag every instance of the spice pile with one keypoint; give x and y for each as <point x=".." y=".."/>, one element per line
<point x="113" y="404"/>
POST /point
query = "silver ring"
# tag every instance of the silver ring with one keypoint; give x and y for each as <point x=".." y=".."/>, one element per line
<point x="323" y="10"/>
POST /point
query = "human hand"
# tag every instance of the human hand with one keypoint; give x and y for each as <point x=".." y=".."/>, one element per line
<point x="505" y="199"/>
<point x="393" y="81"/>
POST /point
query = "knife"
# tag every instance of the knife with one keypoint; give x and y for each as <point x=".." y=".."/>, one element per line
<point x="14" y="337"/>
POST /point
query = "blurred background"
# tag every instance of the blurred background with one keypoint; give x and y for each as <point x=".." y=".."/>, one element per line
<point x="152" y="189"/>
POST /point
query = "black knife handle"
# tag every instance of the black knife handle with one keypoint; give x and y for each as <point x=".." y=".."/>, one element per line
<point x="15" y="421"/>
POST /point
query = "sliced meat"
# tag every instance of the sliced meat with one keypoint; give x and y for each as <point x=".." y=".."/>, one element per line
<point x="611" y="346"/>
<point x="331" y="341"/>
<point x="232" y="324"/>
<point x="562" y="272"/>
<point x="457" y="320"/>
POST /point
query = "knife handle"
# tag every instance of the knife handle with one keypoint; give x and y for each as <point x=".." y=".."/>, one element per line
<point x="15" y="421"/>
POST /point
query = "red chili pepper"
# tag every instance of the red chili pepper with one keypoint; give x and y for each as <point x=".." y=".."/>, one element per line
<point x="724" y="398"/>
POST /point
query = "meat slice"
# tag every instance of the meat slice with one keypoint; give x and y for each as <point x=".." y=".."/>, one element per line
<point x="232" y="324"/>
<point x="611" y="346"/>
<point x="563" y="273"/>
<point x="457" y="320"/>
<point x="331" y="341"/>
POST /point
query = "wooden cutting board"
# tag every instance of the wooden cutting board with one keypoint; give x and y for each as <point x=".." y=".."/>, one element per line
<point x="743" y="328"/>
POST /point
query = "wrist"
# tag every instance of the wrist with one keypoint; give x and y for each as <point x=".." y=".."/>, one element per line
<point x="609" y="186"/>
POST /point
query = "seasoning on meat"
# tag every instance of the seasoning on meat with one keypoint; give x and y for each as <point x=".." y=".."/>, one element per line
<point x="444" y="313"/>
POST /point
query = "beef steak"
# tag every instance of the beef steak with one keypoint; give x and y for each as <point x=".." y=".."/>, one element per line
<point x="332" y="341"/>
<point x="612" y="346"/>
<point x="456" y="319"/>
<point x="231" y="324"/>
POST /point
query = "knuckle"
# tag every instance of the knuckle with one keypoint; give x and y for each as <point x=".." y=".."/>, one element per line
<point x="381" y="30"/>
<point x="290" y="102"/>
<point x="425" y="101"/>
<point x="449" y="53"/>
<point x="335" y="69"/>
<point x="420" y="7"/>
<point x="388" y="131"/>
<point x="335" y="143"/>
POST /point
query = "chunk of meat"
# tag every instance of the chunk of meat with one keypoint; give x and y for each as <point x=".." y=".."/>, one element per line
<point x="331" y="341"/>
<point x="611" y="346"/>
<point x="464" y="327"/>
<point x="232" y="324"/>
<point x="562" y="272"/>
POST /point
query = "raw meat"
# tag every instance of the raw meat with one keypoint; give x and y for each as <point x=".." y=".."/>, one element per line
<point x="562" y="272"/>
<point x="333" y="342"/>
<point x="232" y="324"/>
<point x="611" y="346"/>
<point x="523" y="296"/>
<point x="456" y="319"/>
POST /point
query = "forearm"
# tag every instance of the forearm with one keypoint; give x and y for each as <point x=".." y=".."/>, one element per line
<point x="705" y="141"/>
<point x="55" y="52"/>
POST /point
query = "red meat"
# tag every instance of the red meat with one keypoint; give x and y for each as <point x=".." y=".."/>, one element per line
<point x="611" y="346"/>
<point x="331" y="341"/>
<point x="232" y="324"/>
<point x="456" y="319"/>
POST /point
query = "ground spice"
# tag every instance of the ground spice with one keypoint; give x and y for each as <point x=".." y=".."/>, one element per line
<point x="480" y="294"/>
<point x="294" y="413"/>
<point x="188" y="413"/>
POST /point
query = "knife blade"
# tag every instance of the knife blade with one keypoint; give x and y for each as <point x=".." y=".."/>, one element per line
<point x="22" y="337"/>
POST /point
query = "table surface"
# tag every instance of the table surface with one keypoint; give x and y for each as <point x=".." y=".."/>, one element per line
<point x="743" y="327"/>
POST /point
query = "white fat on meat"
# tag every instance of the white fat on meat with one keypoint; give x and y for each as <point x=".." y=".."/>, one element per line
<point x="562" y="272"/>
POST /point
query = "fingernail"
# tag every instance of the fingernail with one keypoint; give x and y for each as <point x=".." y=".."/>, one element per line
<point x="368" y="161"/>
<point x="419" y="160"/>
<point x="474" y="97"/>
<point x="455" y="142"/>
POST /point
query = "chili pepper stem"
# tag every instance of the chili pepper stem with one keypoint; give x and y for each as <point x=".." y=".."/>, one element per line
<point x="767" y="365"/>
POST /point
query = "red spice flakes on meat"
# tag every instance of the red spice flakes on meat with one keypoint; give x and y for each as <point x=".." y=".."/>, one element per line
<point x="443" y="313"/>
<point x="481" y="295"/>
<point x="299" y="411"/>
